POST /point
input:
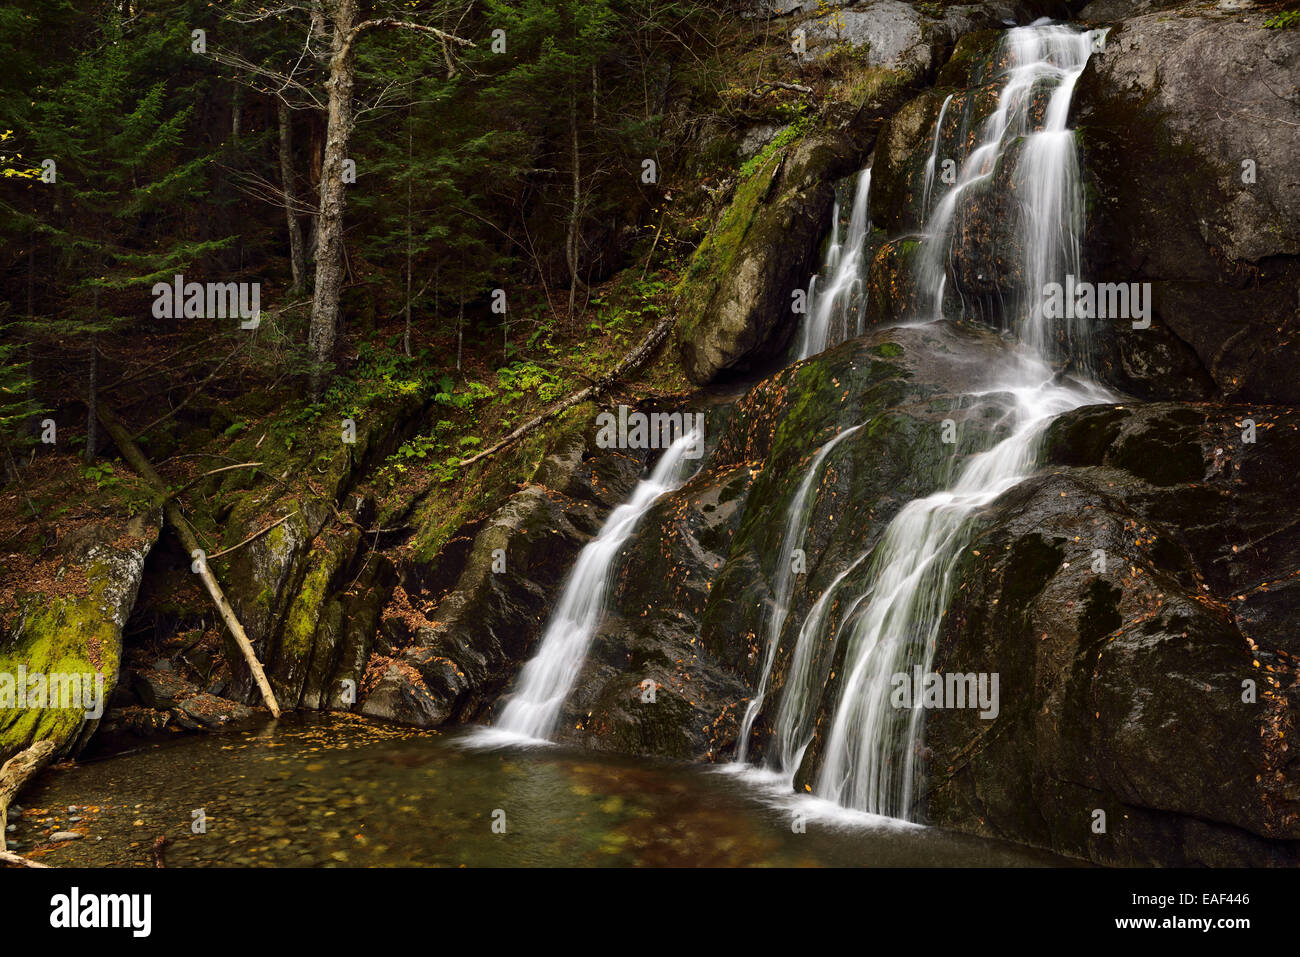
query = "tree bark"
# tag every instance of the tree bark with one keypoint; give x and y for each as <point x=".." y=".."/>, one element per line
<point x="460" y="333"/>
<point x="333" y="197"/>
<point x="571" y="247"/>
<point x="406" y="335"/>
<point x="93" y="389"/>
<point x="340" y="120"/>
<point x="16" y="772"/>
<point x="136" y="459"/>
<point x="297" y="251"/>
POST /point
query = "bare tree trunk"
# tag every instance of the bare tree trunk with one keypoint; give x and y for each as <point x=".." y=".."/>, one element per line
<point x="93" y="397"/>
<point x="333" y="197"/>
<point x="31" y="273"/>
<point x="236" y="109"/>
<point x="460" y="333"/>
<point x="406" y="337"/>
<point x="297" y="252"/>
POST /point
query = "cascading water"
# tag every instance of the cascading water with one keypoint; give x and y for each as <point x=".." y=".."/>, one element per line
<point x="796" y="524"/>
<point x="546" y="680"/>
<point x="869" y="759"/>
<point x="933" y="159"/>
<point x="838" y="312"/>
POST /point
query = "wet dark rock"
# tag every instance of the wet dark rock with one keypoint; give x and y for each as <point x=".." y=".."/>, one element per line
<point x="1178" y="109"/>
<point x="1122" y="684"/>
<point x="648" y="685"/>
<point x="192" y="708"/>
<point x="453" y="663"/>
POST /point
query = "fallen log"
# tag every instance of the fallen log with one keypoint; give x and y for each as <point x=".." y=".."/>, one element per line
<point x="17" y="860"/>
<point x="136" y="459"/>
<point x="16" y="772"/>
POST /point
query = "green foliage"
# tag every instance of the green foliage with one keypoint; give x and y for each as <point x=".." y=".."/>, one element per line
<point x="526" y="377"/>
<point x="16" y="404"/>
<point x="779" y="142"/>
<point x="100" y="473"/>
<point x="434" y="446"/>
<point x="1285" y="20"/>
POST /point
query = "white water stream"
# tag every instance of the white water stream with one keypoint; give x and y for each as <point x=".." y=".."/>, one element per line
<point x="869" y="757"/>
<point x="839" y="311"/>
<point x="533" y="709"/>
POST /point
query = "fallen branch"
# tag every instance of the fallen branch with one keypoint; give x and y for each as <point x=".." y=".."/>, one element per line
<point x="17" y="860"/>
<point x="257" y="534"/>
<point x="778" y="84"/>
<point x="15" y="773"/>
<point x="136" y="459"/>
<point x="630" y="363"/>
<point x="225" y="468"/>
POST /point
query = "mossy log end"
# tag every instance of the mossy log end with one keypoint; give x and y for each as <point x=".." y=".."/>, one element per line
<point x="16" y="772"/>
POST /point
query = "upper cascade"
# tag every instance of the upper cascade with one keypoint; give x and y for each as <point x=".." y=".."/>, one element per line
<point x="1039" y="67"/>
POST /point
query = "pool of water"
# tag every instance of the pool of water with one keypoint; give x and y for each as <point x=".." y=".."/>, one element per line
<point x="322" y="791"/>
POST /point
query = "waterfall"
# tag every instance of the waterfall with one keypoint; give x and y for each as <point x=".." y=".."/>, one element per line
<point x="933" y="159"/>
<point x="870" y="755"/>
<point x="548" y="677"/>
<point x="796" y="524"/>
<point x="839" y="312"/>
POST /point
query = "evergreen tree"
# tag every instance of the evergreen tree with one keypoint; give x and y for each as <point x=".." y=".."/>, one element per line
<point x="121" y="172"/>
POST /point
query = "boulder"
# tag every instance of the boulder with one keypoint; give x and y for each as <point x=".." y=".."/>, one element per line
<point x="736" y="312"/>
<point x="1136" y="600"/>
<point x="1189" y="128"/>
<point x="68" y="628"/>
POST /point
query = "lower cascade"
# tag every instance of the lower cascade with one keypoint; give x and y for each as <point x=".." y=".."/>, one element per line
<point x="534" y="707"/>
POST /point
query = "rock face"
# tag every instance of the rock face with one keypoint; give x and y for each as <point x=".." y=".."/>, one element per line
<point x="737" y="307"/>
<point x="309" y="591"/>
<point x="452" y="664"/>
<point x="1137" y="599"/>
<point x="648" y="685"/>
<point x="904" y="36"/>
<point x="1189" y="128"/>
<point x="69" y="629"/>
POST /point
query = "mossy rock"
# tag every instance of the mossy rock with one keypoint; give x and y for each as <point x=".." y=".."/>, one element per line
<point x="736" y="297"/>
<point x="72" y="627"/>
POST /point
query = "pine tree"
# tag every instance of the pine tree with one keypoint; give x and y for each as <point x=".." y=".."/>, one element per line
<point x="418" y="199"/>
<point x="121" y="171"/>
